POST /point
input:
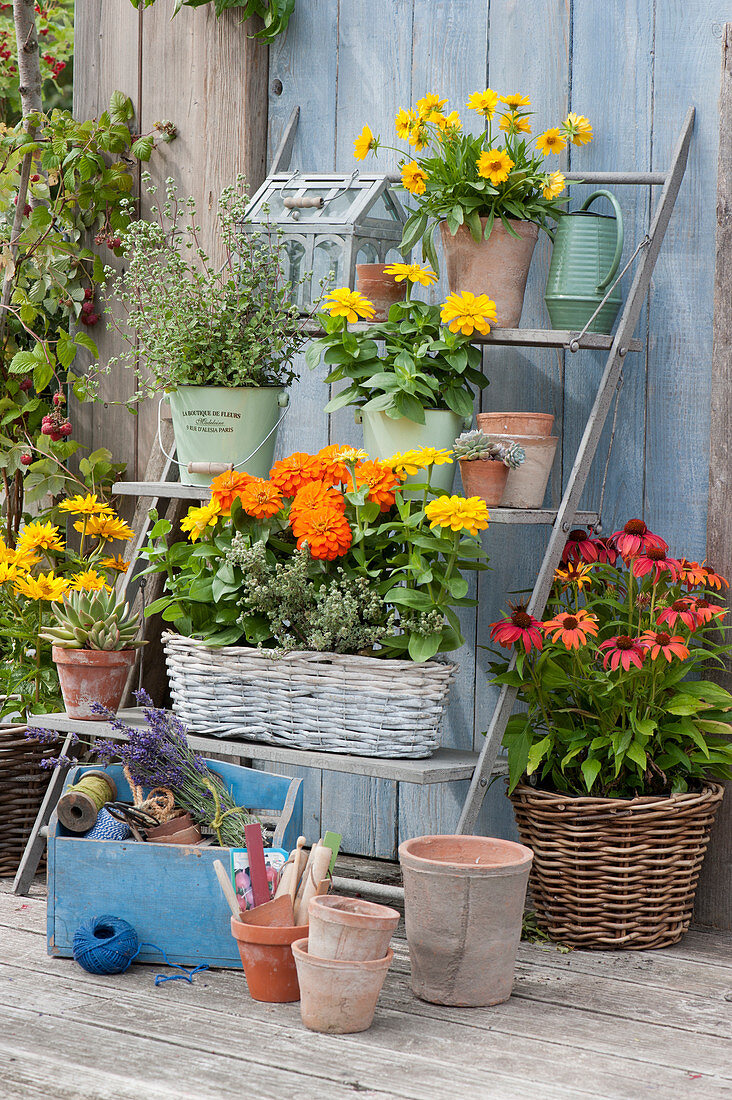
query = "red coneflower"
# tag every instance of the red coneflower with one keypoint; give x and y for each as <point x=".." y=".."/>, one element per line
<point x="635" y="538"/>
<point x="581" y="547"/>
<point x="670" y="645"/>
<point x="519" y="627"/>
<point x="705" y="611"/>
<point x="680" y="609"/>
<point x="654" y="560"/>
<point x="622" y="650"/>
<point x="572" y="629"/>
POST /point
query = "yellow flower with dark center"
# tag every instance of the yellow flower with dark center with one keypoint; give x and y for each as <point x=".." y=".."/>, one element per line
<point x="577" y="573"/>
<point x="414" y="178"/>
<point x="554" y="185"/>
<point x="483" y="102"/>
<point x="107" y="527"/>
<point x="198" y="519"/>
<point x="85" y="506"/>
<point x="494" y="164"/>
<point x="578" y="129"/>
<point x="514" y="124"/>
<point x="514" y="101"/>
<point x="364" y="144"/>
<point x="428" y="104"/>
<point x="39" y="536"/>
<point x="551" y="141"/>
<point x="351" y="304"/>
<point x="43" y="587"/>
<point x="465" y="312"/>
<point x="404" y="123"/>
<point x="88" y="580"/>
<point x="415" y="273"/>
<point x="114" y="565"/>
<point x="458" y="513"/>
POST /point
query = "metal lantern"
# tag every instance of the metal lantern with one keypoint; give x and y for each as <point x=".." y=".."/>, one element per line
<point x="328" y="223"/>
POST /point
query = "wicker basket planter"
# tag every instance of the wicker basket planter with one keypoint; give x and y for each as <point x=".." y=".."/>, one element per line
<point x="324" y="701"/>
<point x="613" y="873"/>
<point x="22" y="786"/>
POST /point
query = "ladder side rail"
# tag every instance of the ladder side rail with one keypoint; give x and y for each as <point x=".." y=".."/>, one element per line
<point x="582" y="463"/>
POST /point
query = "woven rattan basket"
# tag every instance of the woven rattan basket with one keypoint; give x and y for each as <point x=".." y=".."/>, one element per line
<point x="324" y="701"/>
<point x="611" y="873"/>
<point x="22" y="786"/>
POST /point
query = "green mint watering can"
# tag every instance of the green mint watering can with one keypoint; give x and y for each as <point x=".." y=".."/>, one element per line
<point x="585" y="259"/>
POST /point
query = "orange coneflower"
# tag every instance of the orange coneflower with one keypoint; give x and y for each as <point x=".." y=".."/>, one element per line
<point x="571" y="628"/>
<point x="261" y="499"/>
<point x="326" y="532"/>
<point x="659" y="642"/>
<point x="705" y="611"/>
<point x="520" y="626"/>
<point x="635" y="538"/>
<point x="227" y="487"/>
<point x="295" y="471"/>
<point x="654" y="560"/>
<point x="622" y="650"/>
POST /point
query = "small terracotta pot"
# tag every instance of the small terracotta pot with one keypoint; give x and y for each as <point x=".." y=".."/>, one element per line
<point x="348" y="928"/>
<point x="485" y="478"/>
<point x="526" y="485"/>
<point x="189" y="837"/>
<point x="181" y="819"/>
<point x="380" y="289"/>
<point x="497" y="267"/>
<point x="266" y="955"/>
<point x="464" y="902"/>
<point x="92" y="676"/>
<point x="515" y="423"/>
<point x="338" y="996"/>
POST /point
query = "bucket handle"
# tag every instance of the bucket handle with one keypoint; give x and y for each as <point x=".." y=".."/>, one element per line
<point x="618" y="230"/>
<point x="284" y="403"/>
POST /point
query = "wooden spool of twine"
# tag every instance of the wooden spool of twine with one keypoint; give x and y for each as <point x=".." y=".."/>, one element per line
<point x="77" y="809"/>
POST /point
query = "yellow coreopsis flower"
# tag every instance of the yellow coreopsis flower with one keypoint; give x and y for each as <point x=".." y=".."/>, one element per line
<point x="404" y="123"/>
<point x="419" y="136"/>
<point x="114" y="565"/>
<point x="428" y="104"/>
<point x="515" y="100"/>
<point x="465" y="313"/>
<point x="432" y="456"/>
<point x="39" y="536"/>
<point x="405" y="462"/>
<point x="578" y="129"/>
<point x="364" y="144"/>
<point x="483" y="102"/>
<point x="85" y="506"/>
<point x="494" y="165"/>
<point x="514" y="124"/>
<point x="414" y="178"/>
<point x="198" y="519"/>
<point x="106" y="526"/>
<point x="43" y="587"/>
<point x="577" y="573"/>
<point x="415" y="273"/>
<point x="351" y="304"/>
<point x="88" y="580"/>
<point x="8" y="572"/>
<point x="458" y="513"/>
<point x="554" y="185"/>
<point x="551" y="141"/>
<point x="447" y="124"/>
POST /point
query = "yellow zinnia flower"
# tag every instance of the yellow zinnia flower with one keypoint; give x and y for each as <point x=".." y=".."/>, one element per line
<point x="494" y="164"/>
<point x="411" y="462"/>
<point x="554" y="185"/>
<point x="351" y="304"/>
<point x="404" y="122"/>
<point x="115" y="565"/>
<point x="364" y="144"/>
<point x="414" y="178"/>
<point x="483" y="102"/>
<point x="551" y="141"/>
<point x="39" y="536"/>
<point x="458" y="513"/>
<point x="198" y="519"/>
<point x="89" y="581"/>
<point x="107" y="527"/>
<point x="414" y="272"/>
<point x="515" y="101"/>
<point x="514" y="124"/>
<point x="578" y="129"/>
<point x="85" y="506"/>
<point x="428" y="104"/>
<point x="466" y="312"/>
<point x="48" y="587"/>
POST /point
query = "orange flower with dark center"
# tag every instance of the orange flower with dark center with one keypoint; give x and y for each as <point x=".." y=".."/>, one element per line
<point x="227" y="487"/>
<point x="712" y="579"/>
<point x="705" y="611"/>
<point x="290" y="474"/>
<point x="261" y="499"/>
<point x="313" y="498"/>
<point x="571" y="629"/>
<point x="659" y="642"/>
<point x="326" y="533"/>
<point x="381" y="480"/>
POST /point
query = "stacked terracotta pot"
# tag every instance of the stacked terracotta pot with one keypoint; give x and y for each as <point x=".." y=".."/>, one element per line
<point x="342" y="964"/>
<point x="525" y="486"/>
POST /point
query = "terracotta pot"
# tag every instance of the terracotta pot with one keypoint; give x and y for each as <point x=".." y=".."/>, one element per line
<point x="92" y="676"/>
<point x="266" y="956"/>
<point x="485" y="478"/>
<point x="348" y="928"/>
<point x="518" y="423"/>
<point x="497" y="267"/>
<point x="188" y="836"/>
<point x="464" y="903"/>
<point x="181" y="819"/>
<point x="380" y="289"/>
<point x="526" y="486"/>
<point x="338" y="996"/>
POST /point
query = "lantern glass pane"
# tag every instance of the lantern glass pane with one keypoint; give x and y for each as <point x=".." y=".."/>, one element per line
<point x="367" y="254"/>
<point x="337" y="209"/>
<point x="293" y="272"/>
<point x="328" y="261"/>
<point x="384" y="208"/>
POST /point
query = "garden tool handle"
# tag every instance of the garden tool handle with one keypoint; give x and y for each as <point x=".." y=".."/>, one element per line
<point x="618" y="231"/>
<point x="303" y="203"/>
<point x="209" y="467"/>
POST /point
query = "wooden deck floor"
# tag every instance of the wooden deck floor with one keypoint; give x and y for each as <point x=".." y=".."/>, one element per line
<point x="582" y="1024"/>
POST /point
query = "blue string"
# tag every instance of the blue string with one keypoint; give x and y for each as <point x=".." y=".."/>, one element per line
<point x="109" y="945"/>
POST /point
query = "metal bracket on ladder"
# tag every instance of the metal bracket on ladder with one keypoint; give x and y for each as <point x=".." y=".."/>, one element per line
<point x="588" y="446"/>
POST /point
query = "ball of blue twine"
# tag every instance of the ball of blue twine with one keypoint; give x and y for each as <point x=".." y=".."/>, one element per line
<point x="105" y="945"/>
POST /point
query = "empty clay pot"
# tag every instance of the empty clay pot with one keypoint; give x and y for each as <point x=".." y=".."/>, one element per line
<point x="380" y="289"/>
<point x="348" y="928"/>
<point x="497" y="267"/>
<point x="266" y="956"/>
<point x="91" y="676"/>
<point x="485" y="478"/>
<point x="526" y="486"/>
<point x="515" y="423"/>
<point x="464" y="903"/>
<point x="338" y="996"/>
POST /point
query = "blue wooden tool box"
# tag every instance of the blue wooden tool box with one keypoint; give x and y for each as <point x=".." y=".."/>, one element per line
<point x="169" y="893"/>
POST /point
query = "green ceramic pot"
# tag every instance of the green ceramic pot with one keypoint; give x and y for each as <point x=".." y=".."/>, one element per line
<point x="384" y="437"/>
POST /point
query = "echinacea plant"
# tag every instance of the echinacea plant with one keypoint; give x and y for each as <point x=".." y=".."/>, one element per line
<point x="475" y="445"/>
<point x="93" y="620"/>
<point x="614" y="707"/>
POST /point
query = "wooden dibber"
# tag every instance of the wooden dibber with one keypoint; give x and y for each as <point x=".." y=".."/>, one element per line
<point x="227" y="889"/>
<point x="290" y="876"/>
<point x="314" y="880"/>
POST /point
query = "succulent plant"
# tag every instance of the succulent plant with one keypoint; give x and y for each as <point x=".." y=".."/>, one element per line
<point x="93" y="620"/>
<point x="475" y="445"/>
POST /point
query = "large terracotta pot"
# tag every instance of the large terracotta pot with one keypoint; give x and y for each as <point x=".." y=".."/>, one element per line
<point x="91" y="676"/>
<point x="380" y="289"/>
<point x="485" y="478"/>
<point x="266" y="956"/>
<point x="515" y="423"/>
<point x="497" y="267"/>
<point x="526" y="485"/>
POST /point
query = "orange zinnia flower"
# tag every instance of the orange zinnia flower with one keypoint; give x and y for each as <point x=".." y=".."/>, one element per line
<point x="658" y="641"/>
<point x="326" y="533"/>
<point x="290" y="474"/>
<point x="331" y="470"/>
<point x="572" y="629"/>
<point x="381" y="480"/>
<point x="313" y="498"/>
<point x="261" y="499"/>
<point x="227" y="487"/>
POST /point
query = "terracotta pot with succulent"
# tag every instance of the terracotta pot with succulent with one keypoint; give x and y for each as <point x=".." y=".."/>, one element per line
<point x="484" y="465"/>
<point x="614" y="769"/>
<point x="489" y="193"/>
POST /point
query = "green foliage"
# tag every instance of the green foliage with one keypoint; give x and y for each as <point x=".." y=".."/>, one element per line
<point x="93" y="620"/>
<point x="55" y="25"/>
<point x="275" y="14"/>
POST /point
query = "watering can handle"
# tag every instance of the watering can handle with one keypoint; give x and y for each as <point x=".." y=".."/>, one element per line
<point x="619" y="232"/>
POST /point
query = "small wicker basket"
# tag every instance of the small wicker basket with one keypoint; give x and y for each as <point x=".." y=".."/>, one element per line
<point x="328" y="702"/>
<point x="615" y="873"/>
<point x="22" y="786"/>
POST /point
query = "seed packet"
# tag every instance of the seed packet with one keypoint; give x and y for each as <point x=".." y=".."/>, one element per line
<point x="274" y="860"/>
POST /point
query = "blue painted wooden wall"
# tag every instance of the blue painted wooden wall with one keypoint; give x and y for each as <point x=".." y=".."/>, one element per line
<point x="633" y="68"/>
